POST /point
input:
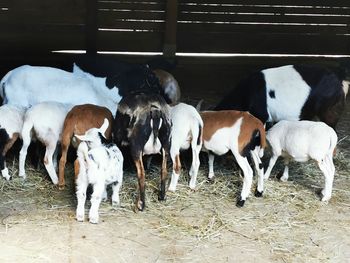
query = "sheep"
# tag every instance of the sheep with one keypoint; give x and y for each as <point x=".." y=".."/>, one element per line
<point x="11" y="123"/>
<point x="238" y="132"/>
<point x="100" y="164"/>
<point x="292" y="92"/>
<point x="302" y="141"/>
<point x="29" y="85"/>
<point x="78" y="120"/>
<point x="45" y="121"/>
<point x="186" y="131"/>
<point x="142" y="122"/>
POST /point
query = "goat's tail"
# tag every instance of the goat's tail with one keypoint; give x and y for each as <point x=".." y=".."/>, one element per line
<point x="156" y="122"/>
<point x="346" y="85"/>
<point x="3" y="84"/>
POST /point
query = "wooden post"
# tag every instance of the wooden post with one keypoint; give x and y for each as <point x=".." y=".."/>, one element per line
<point x="169" y="46"/>
<point x="91" y="27"/>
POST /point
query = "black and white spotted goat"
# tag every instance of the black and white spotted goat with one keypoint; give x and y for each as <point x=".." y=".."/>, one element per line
<point x="100" y="164"/>
<point x="290" y="93"/>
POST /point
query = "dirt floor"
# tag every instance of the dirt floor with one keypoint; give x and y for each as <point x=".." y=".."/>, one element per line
<point x="289" y="224"/>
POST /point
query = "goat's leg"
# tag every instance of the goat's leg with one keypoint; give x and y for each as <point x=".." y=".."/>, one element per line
<point x="195" y="165"/>
<point x="163" y="175"/>
<point x="96" y="199"/>
<point x="62" y="165"/>
<point x="285" y="175"/>
<point x="247" y="178"/>
<point x="50" y="149"/>
<point x="325" y="166"/>
<point x="140" y="204"/>
<point x="259" y="170"/>
<point x="211" y="158"/>
<point x="81" y="187"/>
<point x="23" y="152"/>
<point x="175" y="157"/>
<point x="271" y="164"/>
<point x="8" y="146"/>
<point x="115" y="189"/>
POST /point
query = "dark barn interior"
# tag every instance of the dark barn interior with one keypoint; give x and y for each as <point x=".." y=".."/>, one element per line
<point x="214" y="44"/>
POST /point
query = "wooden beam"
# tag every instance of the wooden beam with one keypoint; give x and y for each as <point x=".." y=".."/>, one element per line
<point x="169" y="46"/>
<point x="91" y="27"/>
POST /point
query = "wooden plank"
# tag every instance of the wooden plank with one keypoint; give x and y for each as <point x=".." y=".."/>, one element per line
<point x="264" y="18"/>
<point x="91" y="27"/>
<point x="258" y="28"/>
<point x="263" y="9"/>
<point x="344" y="3"/>
<point x="169" y="47"/>
<point x="130" y="41"/>
<point x="132" y="25"/>
<point x="145" y="15"/>
<point x="262" y="43"/>
<point x="131" y="5"/>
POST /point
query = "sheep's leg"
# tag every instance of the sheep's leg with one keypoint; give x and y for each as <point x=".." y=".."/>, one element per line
<point x="96" y="199"/>
<point x="247" y="178"/>
<point x="23" y="152"/>
<point x="175" y="157"/>
<point x="326" y="167"/>
<point x="8" y="146"/>
<point x="260" y="171"/>
<point x="285" y="175"/>
<point x="211" y="158"/>
<point x="163" y="176"/>
<point x="50" y="149"/>
<point x="140" y="204"/>
<point x="271" y="164"/>
<point x="81" y="187"/>
<point x="115" y="189"/>
<point x="195" y="165"/>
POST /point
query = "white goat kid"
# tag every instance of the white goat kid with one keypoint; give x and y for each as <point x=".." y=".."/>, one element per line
<point x="45" y="122"/>
<point x="100" y="164"/>
<point x="302" y="141"/>
<point x="186" y="131"/>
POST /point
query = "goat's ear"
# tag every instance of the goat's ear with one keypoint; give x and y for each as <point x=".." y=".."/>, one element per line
<point x="104" y="127"/>
<point x="81" y="137"/>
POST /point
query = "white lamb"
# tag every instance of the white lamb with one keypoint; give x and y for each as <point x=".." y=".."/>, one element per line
<point x="11" y="123"/>
<point x="44" y="121"/>
<point x="186" y="131"/>
<point x="100" y="164"/>
<point x="302" y="141"/>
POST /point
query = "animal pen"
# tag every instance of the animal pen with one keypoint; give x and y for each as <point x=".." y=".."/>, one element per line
<point x="215" y="44"/>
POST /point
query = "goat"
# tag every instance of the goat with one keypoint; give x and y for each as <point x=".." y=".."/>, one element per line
<point x="78" y="120"/>
<point x="186" y="131"/>
<point x="142" y="122"/>
<point x="45" y="121"/>
<point x="302" y="141"/>
<point x="290" y="92"/>
<point x="100" y="164"/>
<point x="242" y="134"/>
<point x="11" y="123"/>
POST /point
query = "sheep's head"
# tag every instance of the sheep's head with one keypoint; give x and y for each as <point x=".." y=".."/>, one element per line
<point x="95" y="136"/>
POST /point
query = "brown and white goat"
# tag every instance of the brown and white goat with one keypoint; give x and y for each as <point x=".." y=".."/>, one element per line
<point x="242" y="134"/>
<point x="80" y="119"/>
<point x="142" y="122"/>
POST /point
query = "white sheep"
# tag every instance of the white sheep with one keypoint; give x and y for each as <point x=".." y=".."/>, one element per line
<point x="302" y="141"/>
<point x="186" y="131"/>
<point x="11" y="123"/>
<point x="44" y="121"/>
<point x="100" y="164"/>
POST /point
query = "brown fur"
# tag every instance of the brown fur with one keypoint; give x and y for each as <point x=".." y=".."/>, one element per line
<point x="78" y="120"/>
<point x="10" y="143"/>
<point x="215" y="120"/>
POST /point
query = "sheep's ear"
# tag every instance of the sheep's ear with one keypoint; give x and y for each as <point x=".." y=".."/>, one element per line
<point x="104" y="127"/>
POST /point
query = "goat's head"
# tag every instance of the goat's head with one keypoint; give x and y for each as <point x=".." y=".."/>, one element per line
<point x="95" y="136"/>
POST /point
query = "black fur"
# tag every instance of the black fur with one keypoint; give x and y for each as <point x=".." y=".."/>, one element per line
<point x="4" y="138"/>
<point x="272" y="94"/>
<point x="199" y="135"/>
<point x="254" y="141"/>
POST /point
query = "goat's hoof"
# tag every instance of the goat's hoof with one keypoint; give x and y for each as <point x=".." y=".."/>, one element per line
<point x="115" y="204"/>
<point x="161" y="197"/>
<point x="140" y="205"/>
<point x="61" y="187"/>
<point x="80" y="218"/>
<point x="240" y="203"/>
<point x="211" y="179"/>
<point x="258" y="194"/>
<point x="93" y="220"/>
<point x="172" y="189"/>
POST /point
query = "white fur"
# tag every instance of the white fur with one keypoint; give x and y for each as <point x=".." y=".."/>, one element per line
<point x="291" y="92"/>
<point x="11" y="119"/>
<point x="100" y="165"/>
<point x="29" y="85"/>
<point x="302" y="141"/>
<point x="187" y="125"/>
<point x="45" y="122"/>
